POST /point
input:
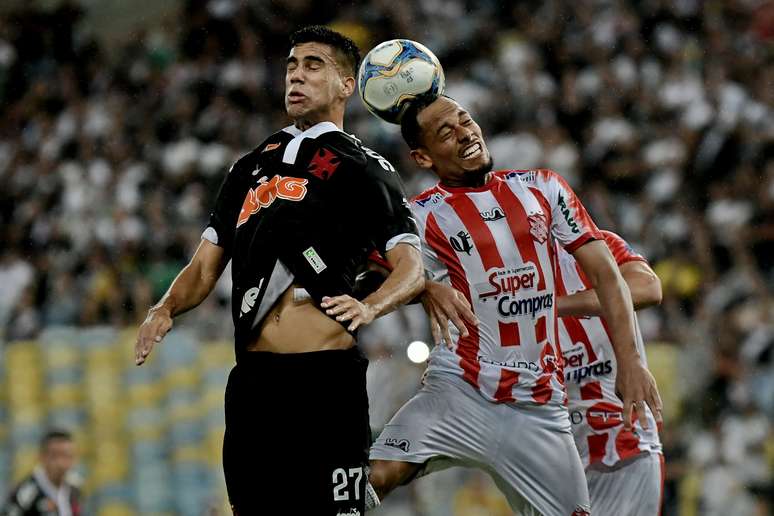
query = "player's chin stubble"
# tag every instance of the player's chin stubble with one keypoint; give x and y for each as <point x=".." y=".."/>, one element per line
<point x="477" y="176"/>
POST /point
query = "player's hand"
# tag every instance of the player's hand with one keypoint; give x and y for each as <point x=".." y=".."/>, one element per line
<point x="443" y="304"/>
<point x="156" y="325"/>
<point x="347" y="308"/>
<point x="636" y="387"/>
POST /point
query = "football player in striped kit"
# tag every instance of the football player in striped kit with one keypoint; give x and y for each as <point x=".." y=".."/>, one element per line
<point x="494" y="395"/>
<point x="624" y="468"/>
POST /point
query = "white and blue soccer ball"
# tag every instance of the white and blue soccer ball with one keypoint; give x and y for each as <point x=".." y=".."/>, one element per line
<point x="395" y="72"/>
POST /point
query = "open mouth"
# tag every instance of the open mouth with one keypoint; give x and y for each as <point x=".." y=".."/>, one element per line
<point x="472" y="151"/>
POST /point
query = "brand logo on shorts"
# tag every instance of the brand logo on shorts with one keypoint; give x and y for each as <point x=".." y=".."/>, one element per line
<point x="401" y="444"/>
<point x="580" y="511"/>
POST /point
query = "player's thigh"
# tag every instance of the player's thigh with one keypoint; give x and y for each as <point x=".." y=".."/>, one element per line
<point x="634" y="489"/>
<point x="538" y="461"/>
<point x="445" y="420"/>
<point x="519" y="505"/>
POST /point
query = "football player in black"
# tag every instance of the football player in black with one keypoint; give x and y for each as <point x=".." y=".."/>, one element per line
<point x="49" y="490"/>
<point x="298" y="217"/>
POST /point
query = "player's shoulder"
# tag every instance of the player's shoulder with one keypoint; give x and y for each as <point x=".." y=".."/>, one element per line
<point x="247" y="162"/>
<point x="26" y="492"/>
<point x="621" y="249"/>
<point x="346" y="147"/>
<point x="429" y="199"/>
<point x="530" y="176"/>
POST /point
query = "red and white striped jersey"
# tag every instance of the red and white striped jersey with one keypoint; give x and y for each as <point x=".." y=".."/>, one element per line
<point x="497" y="245"/>
<point x="590" y="372"/>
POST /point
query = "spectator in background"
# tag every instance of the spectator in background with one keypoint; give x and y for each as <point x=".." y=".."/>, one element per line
<point x="50" y="489"/>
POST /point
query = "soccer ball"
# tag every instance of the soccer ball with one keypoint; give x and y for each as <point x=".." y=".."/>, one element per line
<point x="395" y="72"/>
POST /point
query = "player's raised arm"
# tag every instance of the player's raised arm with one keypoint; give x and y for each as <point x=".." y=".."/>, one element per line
<point x="190" y="287"/>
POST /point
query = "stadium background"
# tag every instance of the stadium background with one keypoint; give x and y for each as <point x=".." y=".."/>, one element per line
<point x="119" y="119"/>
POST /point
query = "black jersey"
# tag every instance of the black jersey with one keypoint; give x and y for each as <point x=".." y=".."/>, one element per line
<point x="307" y="208"/>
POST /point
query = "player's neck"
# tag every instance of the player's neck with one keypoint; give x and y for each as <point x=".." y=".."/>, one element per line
<point x="467" y="181"/>
<point x="305" y="122"/>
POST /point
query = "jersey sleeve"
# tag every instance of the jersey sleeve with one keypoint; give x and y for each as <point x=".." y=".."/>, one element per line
<point x="435" y="268"/>
<point x="225" y="213"/>
<point x="384" y="206"/>
<point x="571" y="224"/>
<point x="620" y="248"/>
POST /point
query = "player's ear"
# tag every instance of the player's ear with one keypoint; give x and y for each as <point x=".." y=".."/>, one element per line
<point x="421" y="158"/>
<point x="347" y="86"/>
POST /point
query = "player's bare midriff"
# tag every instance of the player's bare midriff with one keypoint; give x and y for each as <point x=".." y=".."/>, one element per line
<point x="298" y="327"/>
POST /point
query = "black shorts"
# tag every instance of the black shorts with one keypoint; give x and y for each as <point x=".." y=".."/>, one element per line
<point x="297" y="433"/>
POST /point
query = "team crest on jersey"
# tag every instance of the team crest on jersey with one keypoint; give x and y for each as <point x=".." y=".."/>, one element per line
<point x="324" y="164"/>
<point x="538" y="227"/>
<point x="461" y="242"/>
<point x="263" y="195"/>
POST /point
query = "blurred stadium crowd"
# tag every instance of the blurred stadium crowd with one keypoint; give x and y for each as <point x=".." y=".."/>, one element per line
<point x="660" y="113"/>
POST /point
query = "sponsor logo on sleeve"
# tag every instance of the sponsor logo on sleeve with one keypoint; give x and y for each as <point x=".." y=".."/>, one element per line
<point x="567" y="214"/>
<point x="271" y="147"/>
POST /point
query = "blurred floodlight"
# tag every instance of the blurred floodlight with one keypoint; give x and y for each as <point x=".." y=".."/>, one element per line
<point x="418" y="352"/>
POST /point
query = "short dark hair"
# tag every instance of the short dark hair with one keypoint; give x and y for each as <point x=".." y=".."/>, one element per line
<point x="409" y="126"/>
<point x="348" y="53"/>
<point x="55" y="434"/>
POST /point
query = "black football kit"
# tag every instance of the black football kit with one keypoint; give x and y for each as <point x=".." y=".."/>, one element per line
<point x="303" y="208"/>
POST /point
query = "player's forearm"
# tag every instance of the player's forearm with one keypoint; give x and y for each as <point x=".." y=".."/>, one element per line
<point x="581" y="304"/>
<point x="645" y="290"/>
<point x="618" y="311"/>
<point x="405" y="282"/>
<point x="188" y="290"/>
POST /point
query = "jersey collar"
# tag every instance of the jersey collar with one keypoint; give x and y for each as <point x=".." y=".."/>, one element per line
<point x="291" y="150"/>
